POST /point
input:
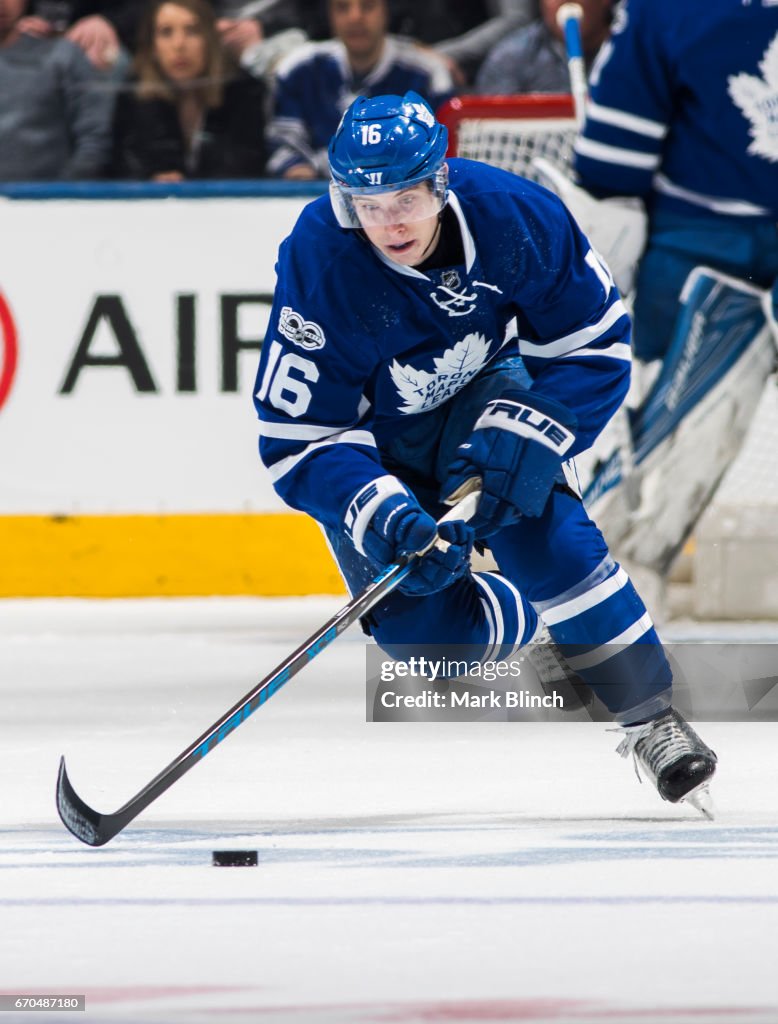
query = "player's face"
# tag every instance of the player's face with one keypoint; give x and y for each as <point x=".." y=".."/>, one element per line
<point x="179" y="43"/>
<point x="402" y="225"/>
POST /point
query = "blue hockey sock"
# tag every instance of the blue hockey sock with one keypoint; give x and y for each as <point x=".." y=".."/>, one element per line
<point x="608" y="638"/>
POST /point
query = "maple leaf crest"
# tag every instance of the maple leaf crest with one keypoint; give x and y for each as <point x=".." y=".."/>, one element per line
<point x="758" y="100"/>
<point x="421" y="390"/>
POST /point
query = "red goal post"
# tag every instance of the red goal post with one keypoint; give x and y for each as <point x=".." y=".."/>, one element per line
<point x="511" y="131"/>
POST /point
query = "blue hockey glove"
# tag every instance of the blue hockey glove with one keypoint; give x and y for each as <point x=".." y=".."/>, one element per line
<point x="517" y="447"/>
<point x="386" y="522"/>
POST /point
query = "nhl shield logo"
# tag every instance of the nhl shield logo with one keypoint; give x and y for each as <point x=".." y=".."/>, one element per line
<point x="8" y="350"/>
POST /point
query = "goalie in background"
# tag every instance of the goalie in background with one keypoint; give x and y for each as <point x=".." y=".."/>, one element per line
<point x="391" y="377"/>
<point x="681" y="119"/>
<point x="683" y="114"/>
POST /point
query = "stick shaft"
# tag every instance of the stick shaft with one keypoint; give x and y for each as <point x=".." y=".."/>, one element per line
<point x="569" y="19"/>
<point x="96" y="829"/>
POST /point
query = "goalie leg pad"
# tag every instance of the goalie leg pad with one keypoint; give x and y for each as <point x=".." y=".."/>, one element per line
<point x="691" y="425"/>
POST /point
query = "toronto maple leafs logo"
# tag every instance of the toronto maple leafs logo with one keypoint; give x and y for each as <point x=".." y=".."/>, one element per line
<point x="421" y="390"/>
<point x="423" y="114"/>
<point x="758" y="100"/>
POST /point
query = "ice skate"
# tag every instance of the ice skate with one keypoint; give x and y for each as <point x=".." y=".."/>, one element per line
<point x="674" y="757"/>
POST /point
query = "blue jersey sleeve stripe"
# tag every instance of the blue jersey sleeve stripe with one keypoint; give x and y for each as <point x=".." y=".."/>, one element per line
<point x="629" y="122"/>
<point x="616" y="154"/>
<point x="576" y="340"/>
<point x="353" y="437"/>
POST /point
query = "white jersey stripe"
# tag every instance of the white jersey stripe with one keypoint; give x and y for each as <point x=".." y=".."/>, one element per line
<point x="630" y="122"/>
<point x="619" y="350"/>
<point x="577" y="605"/>
<point x="520" y="617"/>
<point x="296" y="431"/>
<point x="496" y="634"/>
<point x="617" y="155"/>
<point x="576" y="340"/>
<point x="614" y="646"/>
<point x="734" y="207"/>
<point x="283" y="466"/>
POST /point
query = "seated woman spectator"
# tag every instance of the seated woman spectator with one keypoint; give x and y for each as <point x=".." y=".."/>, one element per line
<point x="188" y="111"/>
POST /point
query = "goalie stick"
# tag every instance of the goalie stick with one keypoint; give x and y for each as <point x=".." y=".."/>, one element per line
<point x="96" y="829"/>
<point x="568" y="18"/>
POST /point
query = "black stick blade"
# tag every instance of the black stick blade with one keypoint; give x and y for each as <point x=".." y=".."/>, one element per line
<point x="86" y="824"/>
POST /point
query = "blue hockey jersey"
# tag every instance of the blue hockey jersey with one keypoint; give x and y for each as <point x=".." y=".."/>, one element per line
<point x="684" y="107"/>
<point x="357" y="344"/>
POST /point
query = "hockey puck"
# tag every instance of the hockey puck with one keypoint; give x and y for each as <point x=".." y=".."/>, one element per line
<point x="234" y="858"/>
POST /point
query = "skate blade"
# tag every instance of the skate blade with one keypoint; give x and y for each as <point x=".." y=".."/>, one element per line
<point x="701" y="800"/>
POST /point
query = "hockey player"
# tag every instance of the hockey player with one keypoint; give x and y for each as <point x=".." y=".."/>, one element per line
<point x="683" y="115"/>
<point x="391" y="376"/>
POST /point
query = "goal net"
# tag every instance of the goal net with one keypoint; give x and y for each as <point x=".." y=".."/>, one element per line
<point x="511" y="131"/>
<point x="737" y="537"/>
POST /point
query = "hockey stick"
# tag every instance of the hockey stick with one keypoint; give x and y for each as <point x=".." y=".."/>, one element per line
<point x="568" y="18"/>
<point x="95" y="829"/>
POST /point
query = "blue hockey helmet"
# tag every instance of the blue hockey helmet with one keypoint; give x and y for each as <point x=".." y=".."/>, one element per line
<point x="387" y="144"/>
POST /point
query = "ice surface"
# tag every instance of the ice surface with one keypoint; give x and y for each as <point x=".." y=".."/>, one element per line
<point x="407" y="872"/>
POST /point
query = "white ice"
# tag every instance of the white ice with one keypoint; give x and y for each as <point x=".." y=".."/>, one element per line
<point x="412" y="872"/>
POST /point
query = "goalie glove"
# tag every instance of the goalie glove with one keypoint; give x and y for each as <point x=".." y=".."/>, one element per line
<point x="517" y="447"/>
<point x="386" y="523"/>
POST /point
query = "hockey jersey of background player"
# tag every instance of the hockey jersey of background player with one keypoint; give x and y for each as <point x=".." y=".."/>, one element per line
<point x="666" y="121"/>
<point x="358" y="346"/>
<point x="315" y="85"/>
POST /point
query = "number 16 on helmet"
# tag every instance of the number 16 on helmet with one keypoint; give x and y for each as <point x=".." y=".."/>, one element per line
<point x="388" y="144"/>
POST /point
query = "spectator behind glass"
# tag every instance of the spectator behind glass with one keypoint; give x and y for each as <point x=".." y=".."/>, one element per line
<point x="319" y="81"/>
<point x="55" y="109"/>
<point x="533" y="58"/>
<point x="188" y="112"/>
<point x="98" y="27"/>
<point x="104" y="29"/>
<point x="461" y="31"/>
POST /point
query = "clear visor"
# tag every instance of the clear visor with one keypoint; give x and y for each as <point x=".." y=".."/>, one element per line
<point x="378" y="207"/>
